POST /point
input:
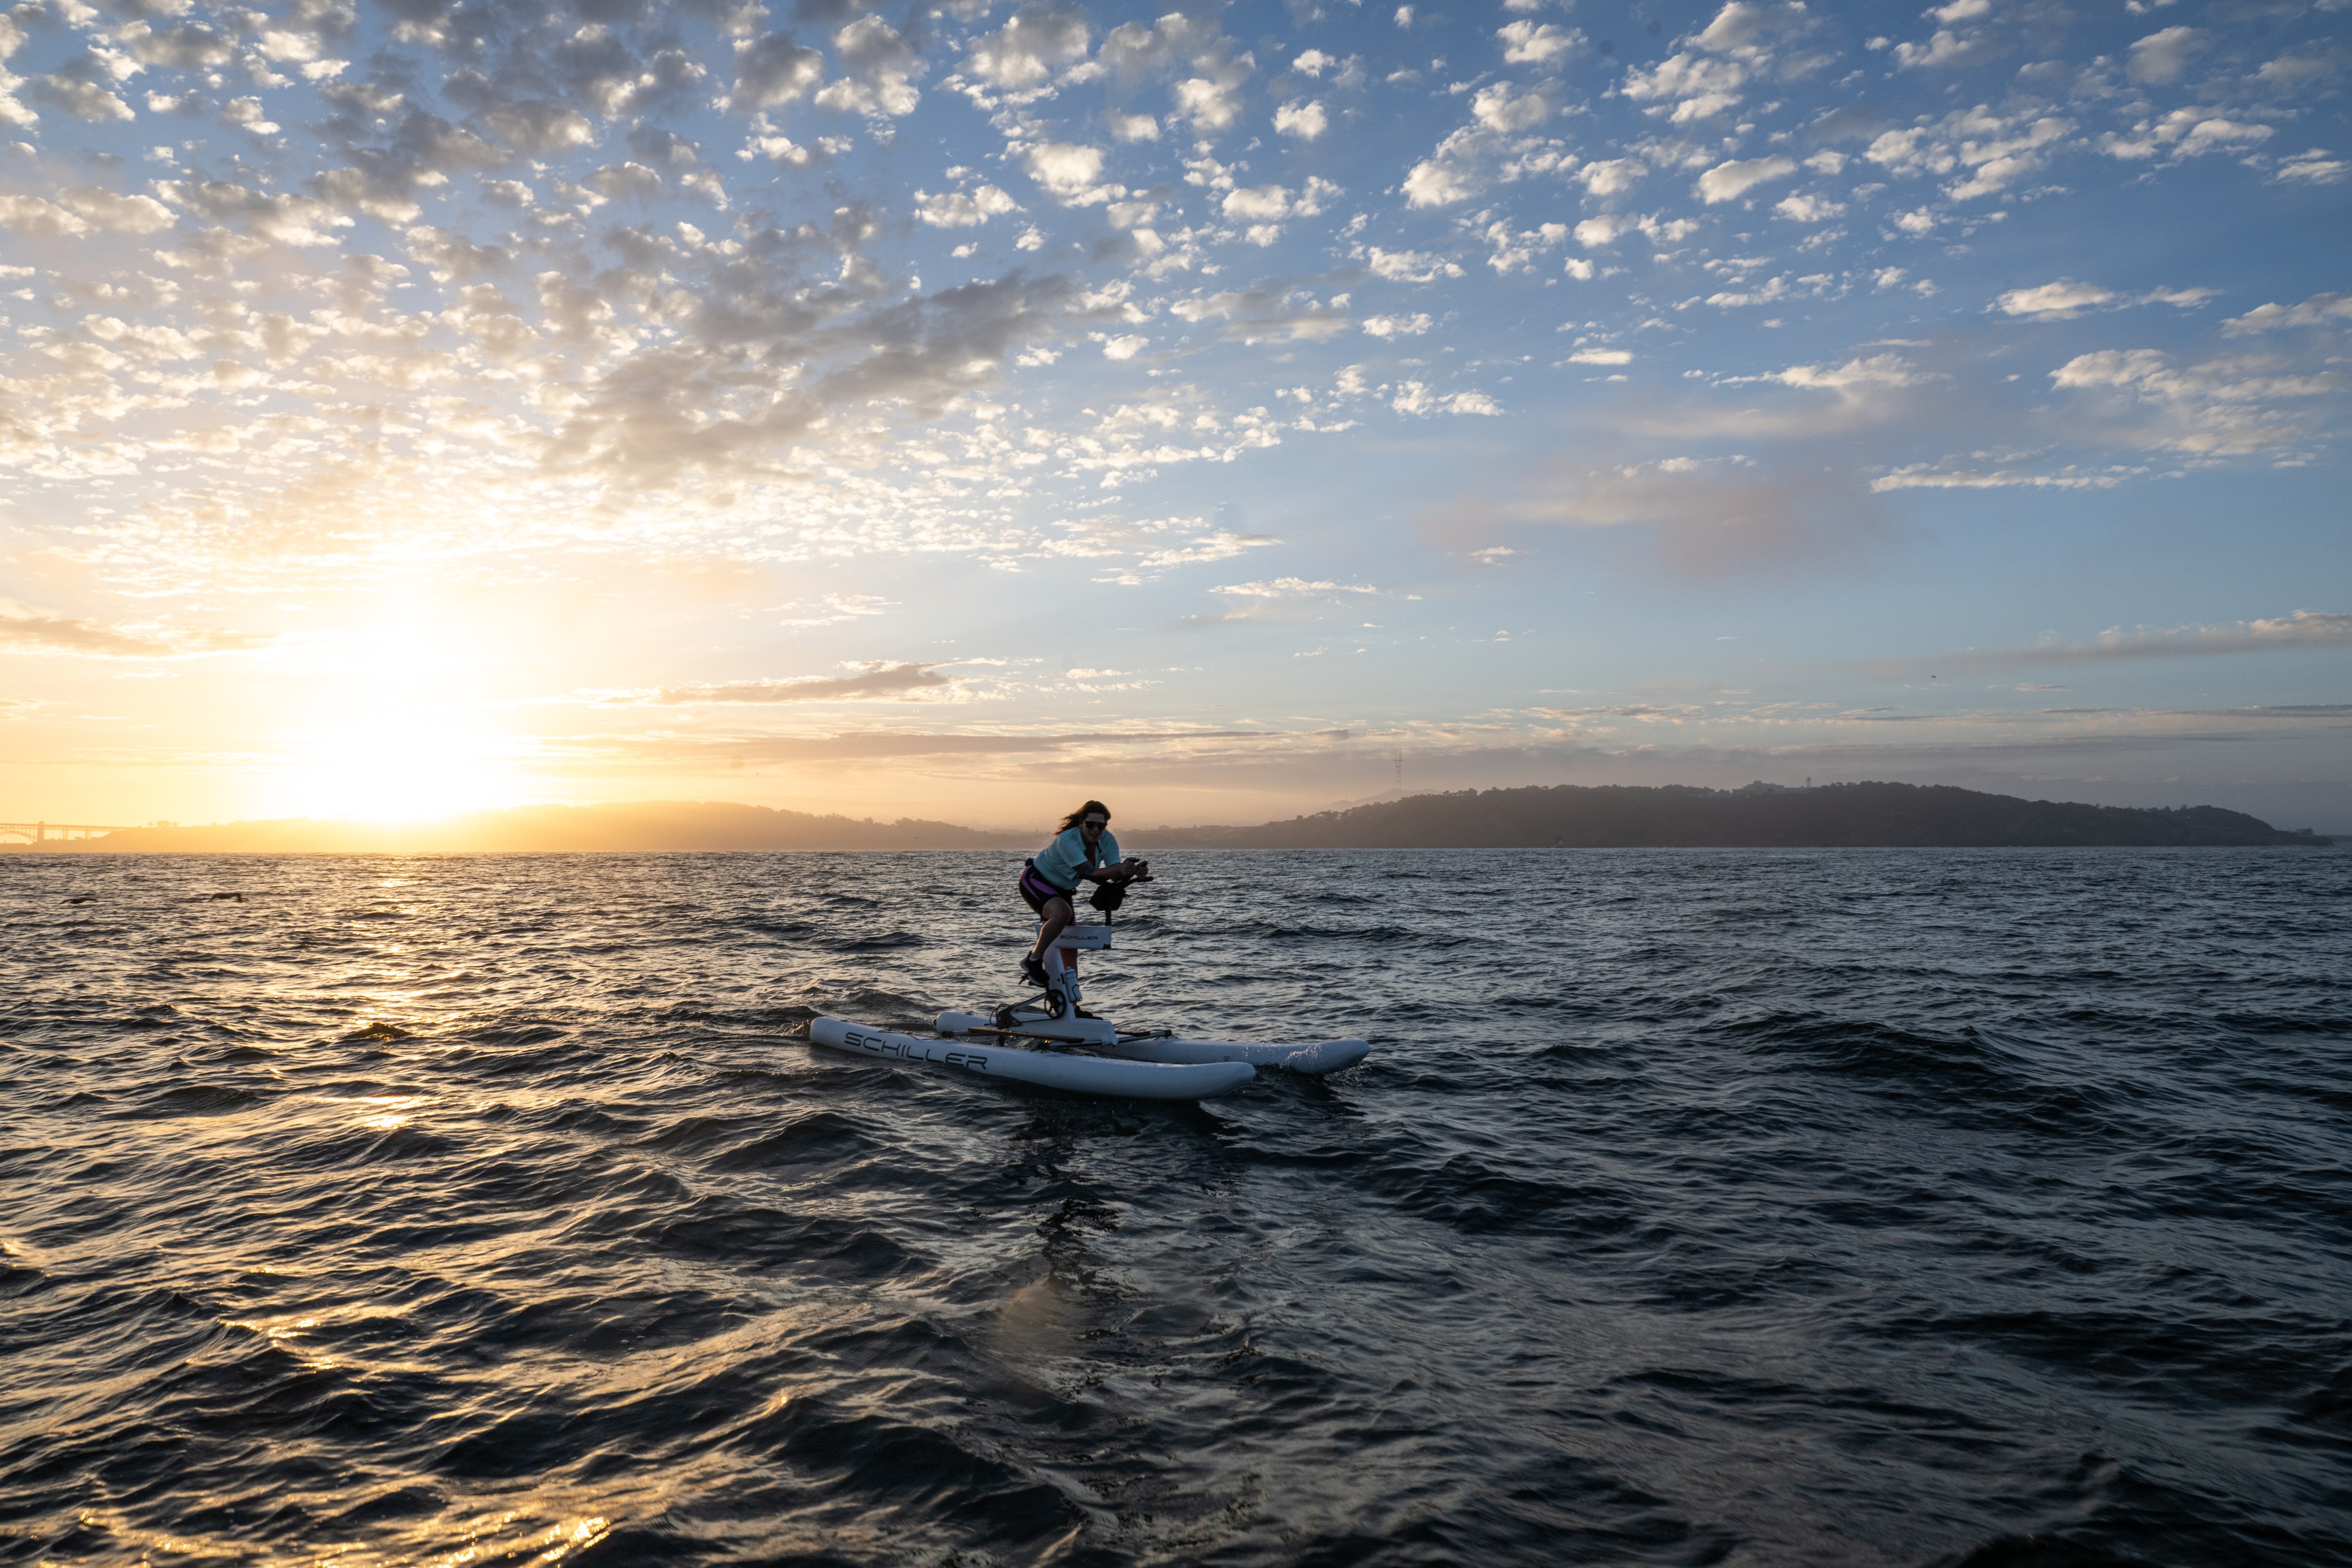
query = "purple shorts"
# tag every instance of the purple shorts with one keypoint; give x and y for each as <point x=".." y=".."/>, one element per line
<point x="1035" y="890"/>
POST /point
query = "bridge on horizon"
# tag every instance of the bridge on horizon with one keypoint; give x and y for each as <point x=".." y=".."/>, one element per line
<point x="53" y="832"/>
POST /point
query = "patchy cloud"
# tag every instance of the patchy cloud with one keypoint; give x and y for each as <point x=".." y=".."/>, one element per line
<point x="2165" y="57"/>
<point x="1035" y="41"/>
<point x="1304" y="119"/>
<point x="2059" y="301"/>
<point x="1071" y="172"/>
<point x="1733" y="179"/>
<point x="963" y="209"/>
<point x="879" y="66"/>
<point x="24" y="629"/>
<point x="872" y="682"/>
<point x="1265" y="312"/>
<point x="1980" y="152"/>
<point x="1291" y="588"/>
<point x="2225" y="405"/>
<point x="775" y="69"/>
<point x="2319" y="310"/>
<point x="2067" y="299"/>
<point x="1705" y="520"/>
<point x="2299" y="630"/>
<point x="2183" y="134"/>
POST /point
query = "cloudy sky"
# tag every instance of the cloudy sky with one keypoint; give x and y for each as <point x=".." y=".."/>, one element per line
<point x="957" y="411"/>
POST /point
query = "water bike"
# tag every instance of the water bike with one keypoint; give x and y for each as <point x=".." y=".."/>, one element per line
<point x="1051" y="1040"/>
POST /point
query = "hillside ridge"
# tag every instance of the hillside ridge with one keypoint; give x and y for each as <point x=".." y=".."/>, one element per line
<point x="1761" y="816"/>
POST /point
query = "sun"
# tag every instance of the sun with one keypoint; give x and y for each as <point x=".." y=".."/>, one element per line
<point x="398" y="728"/>
<point x="396" y="769"/>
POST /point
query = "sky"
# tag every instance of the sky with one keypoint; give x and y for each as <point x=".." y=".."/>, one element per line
<point x="409" y="407"/>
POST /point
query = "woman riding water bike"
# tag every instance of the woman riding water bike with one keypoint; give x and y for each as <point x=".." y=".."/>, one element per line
<point x="1083" y="851"/>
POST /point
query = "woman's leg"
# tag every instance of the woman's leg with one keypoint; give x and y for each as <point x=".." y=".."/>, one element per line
<point x="1057" y="916"/>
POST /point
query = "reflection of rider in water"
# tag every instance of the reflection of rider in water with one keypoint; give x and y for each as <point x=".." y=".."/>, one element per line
<point x="1083" y="851"/>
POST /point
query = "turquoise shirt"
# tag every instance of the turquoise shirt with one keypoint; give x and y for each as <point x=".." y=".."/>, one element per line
<point x="1058" y="862"/>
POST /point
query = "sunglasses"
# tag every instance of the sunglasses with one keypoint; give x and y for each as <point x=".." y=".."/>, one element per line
<point x="1095" y="822"/>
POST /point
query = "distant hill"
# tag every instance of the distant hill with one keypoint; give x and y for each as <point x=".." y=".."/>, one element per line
<point x="642" y="826"/>
<point x="1854" y="815"/>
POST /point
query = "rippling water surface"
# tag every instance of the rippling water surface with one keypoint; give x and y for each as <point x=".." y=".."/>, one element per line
<point x="1772" y="1207"/>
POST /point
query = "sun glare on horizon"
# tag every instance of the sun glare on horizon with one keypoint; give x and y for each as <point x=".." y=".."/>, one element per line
<point x="401" y="735"/>
<point x="395" y="775"/>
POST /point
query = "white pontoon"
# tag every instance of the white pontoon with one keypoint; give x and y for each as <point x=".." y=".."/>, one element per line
<point x="1053" y="1041"/>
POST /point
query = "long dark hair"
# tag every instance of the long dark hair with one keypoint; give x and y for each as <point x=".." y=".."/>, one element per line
<point x="1083" y="813"/>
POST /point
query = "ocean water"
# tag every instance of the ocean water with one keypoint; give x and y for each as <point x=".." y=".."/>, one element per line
<point x="1984" y="1207"/>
